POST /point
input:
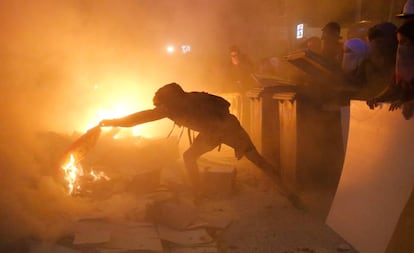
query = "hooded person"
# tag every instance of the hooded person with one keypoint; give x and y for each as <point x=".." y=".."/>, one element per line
<point x="405" y="69"/>
<point x="380" y="65"/>
<point x="208" y="115"/>
<point x="402" y="90"/>
<point x="355" y="55"/>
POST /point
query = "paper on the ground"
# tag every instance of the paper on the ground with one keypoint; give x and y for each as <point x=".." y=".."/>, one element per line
<point x="207" y="249"/>
<point x="118" y="235"/>
<point x="92" y="236"/>
<point x="51" y="248"/>
<point x="134" y="236"/>
<point x="186" y="237"/>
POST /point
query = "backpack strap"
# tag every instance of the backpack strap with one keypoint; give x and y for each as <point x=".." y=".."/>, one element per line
<point x="190" y="138"/>
<point x="172" y="129"/>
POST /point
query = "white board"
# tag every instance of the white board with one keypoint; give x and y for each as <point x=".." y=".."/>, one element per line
<point x="377" y="177"/>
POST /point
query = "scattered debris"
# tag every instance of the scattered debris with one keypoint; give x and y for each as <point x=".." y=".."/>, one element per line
<point x="145" y="181"/>
<point x="174" y="212"/>
<point x="196" y="237"/>
<point x="51" y="248"/>
<point x="143" y="209"/>
<point x="343" y="247"/>
<point x="219" y="180"/>
<point x="204" y="249"/>
<point x="134" y="236"/>
<point x="305" y="250"/>
<point x="91" y="236"/>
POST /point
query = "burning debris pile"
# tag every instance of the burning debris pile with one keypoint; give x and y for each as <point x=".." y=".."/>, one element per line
<point x="88" y="167"/>
<point x="74" y="173"/>
<point x="136" y="201"/>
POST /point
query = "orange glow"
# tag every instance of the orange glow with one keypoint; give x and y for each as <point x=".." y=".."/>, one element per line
<point x="114" y="99"/>
<point x="119" y="110"/>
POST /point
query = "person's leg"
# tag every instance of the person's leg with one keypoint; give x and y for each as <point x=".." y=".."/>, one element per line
<point x="254" y="156"/>
<point x="258" y="160"/>
<point x="202" y="144"/>
<point x="237" y="138"/>
<point x="274" y="174"/>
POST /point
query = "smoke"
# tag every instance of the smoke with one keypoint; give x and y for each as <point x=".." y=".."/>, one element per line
<point x="60" y="62"/>
<point x="64" y="62"/>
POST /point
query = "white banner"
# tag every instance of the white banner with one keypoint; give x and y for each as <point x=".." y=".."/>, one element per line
<point x="377" y="177"/>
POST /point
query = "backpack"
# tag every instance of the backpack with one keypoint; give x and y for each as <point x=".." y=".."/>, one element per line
<point x="209" y="105"/>
<point x="196" y="110"/>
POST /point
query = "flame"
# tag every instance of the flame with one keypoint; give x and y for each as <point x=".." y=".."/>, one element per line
<point x="72" y="174"/>
<point x="96" y="176"/>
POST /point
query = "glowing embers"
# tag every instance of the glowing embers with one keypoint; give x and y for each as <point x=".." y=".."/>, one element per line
<point x="76" y="178"/>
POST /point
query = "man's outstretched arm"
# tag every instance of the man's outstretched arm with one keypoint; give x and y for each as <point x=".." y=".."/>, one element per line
<point x="135" y="118"/>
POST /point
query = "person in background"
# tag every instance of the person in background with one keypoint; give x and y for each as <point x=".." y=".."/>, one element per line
<point x="400" y="93"/>
<point x="239" y="73"/>
<point x="382" y="42"/>
<point x="331" y="42"/>
<point x="313" y="44"/>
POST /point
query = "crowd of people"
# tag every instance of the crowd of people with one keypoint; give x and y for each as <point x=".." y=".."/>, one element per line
<point x="376" y="61"/>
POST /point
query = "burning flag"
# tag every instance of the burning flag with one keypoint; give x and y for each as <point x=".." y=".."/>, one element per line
<point x="77" y="152"/>
<point x="84" y="144"/>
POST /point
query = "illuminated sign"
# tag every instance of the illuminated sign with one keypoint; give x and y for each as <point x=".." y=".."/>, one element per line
<point x="185" y="49"/>
<point x="299" y="31"/>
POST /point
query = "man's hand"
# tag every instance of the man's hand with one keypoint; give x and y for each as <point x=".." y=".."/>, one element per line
<point x="396" y="105"/>
<point x="372" y="103"/>
<point x="107" y="123"/>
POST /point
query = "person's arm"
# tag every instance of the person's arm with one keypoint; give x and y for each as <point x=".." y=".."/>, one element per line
<point x="135" y="118"/>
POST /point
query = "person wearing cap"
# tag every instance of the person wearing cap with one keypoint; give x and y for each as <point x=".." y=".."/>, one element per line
<point x="407" y="12"/>
<point x="401" y="92"/>
<point x="331" y="42"/>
